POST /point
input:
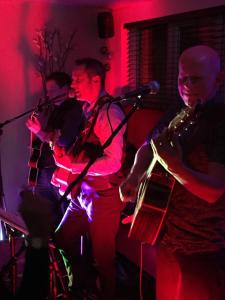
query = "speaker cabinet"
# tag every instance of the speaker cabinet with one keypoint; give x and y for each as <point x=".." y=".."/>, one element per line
<point x="105" y="25"/>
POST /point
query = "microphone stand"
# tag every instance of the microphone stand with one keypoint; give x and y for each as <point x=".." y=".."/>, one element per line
<point x="36" y="108"/>
<point x="138" y="104"/>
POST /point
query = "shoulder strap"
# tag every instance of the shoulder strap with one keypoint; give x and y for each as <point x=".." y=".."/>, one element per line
<point x="95" y="112"/>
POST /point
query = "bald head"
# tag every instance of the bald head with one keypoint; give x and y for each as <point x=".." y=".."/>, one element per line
<point x="201" y="55"/>
<point x="199" y="74"/>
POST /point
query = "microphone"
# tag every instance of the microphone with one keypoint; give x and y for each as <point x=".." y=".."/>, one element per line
<point x="152" y="88"/>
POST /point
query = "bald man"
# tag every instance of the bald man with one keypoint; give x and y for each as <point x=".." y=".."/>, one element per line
<point x="191" y="254"/>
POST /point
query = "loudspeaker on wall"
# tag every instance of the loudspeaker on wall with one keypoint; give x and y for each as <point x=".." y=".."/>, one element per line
<point x="105" y="25"/>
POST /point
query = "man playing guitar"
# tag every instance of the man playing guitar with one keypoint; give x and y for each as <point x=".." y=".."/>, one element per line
<point x="191" y="255"/>
<point x="59" y="122"/>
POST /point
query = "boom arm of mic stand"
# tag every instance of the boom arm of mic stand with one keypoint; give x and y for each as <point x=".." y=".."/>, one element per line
<point x="135" y="107"/>
<point x="39" y="106"/>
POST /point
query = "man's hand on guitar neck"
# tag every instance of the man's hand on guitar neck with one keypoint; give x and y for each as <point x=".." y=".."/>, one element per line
<point x="33" y="124"/>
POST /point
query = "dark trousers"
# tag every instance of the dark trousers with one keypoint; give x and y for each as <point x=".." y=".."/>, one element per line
<point x="35" y="281"/>
<point x="46" y="189"/>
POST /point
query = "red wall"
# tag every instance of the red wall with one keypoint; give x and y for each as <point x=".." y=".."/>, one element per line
<point x="141" y="123"/>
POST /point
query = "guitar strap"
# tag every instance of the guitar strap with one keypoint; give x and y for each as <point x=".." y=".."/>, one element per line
<point x="90" y="123"/>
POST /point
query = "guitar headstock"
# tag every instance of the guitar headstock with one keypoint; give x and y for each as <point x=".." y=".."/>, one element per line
<point x="185" y="120"/>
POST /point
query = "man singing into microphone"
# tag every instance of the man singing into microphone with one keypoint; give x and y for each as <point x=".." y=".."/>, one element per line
<point x="96" y="207"/>
<point x="58" y="123"/>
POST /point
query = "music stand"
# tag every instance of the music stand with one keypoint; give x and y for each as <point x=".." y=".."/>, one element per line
<point x="56" y="276"/>
<point x="15" y="222"/>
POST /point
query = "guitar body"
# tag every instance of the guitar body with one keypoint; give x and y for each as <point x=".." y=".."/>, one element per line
<point x="36" y="148"/>
<point x="156" y="187"/>
<point x="153" y="200"/>
<point x="62" y="178"/>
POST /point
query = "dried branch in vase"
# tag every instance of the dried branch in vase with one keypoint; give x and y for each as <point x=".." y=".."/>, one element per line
<point x="53" y="51"/>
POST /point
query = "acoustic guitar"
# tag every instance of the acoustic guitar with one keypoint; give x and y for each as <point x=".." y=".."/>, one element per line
<point x="60" y="179"/>
<point x="35" y="143"/>
<point x="36" y="147"/>
<point x="157" y="184"/>
<point x="80" y="153"/>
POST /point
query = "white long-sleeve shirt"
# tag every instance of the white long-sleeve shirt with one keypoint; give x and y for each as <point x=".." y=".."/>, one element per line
<point x="111" y="160"/>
